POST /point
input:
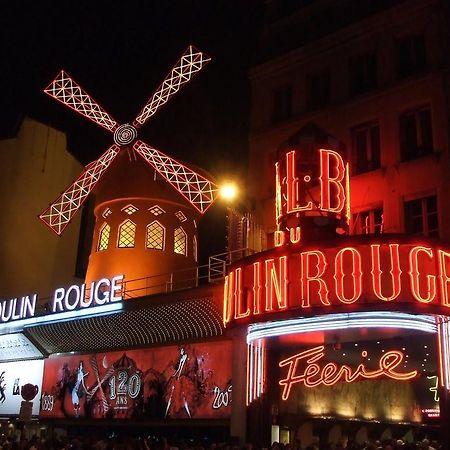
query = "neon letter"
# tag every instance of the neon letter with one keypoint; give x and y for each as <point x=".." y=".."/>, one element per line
<point x="276" y="284"/>
<point x="292" y="187"/>
<point x="414" y="275"/>
<point x="238" y="297"/>
<point x="326" y="180"/>
<point x="257" y="287"/>
<point x="307" y="277"/>
<point x="377" y="272"/>
<point x="278" y="238"/>
<point x="356" y="275"/>
<point x="444" y="277"/>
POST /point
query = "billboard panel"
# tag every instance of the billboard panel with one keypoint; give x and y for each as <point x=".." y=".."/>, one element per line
<point x="185" y="381"/>
<point x="13" y="375"/>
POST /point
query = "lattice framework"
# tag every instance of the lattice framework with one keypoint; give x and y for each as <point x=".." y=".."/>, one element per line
<point x="127" y="233"/>
<point x="155" y="236"/>
<point x="64" y="89"/>
<point x="191" y="62"/>
<point x="180" y="241"/>
<point x="59" y="213"/>
<point x="199" y="191"/>
<point x="103" y="240"/>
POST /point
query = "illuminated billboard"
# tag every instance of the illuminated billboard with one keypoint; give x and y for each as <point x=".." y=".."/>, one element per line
<point x="184" y="381"/>
<point x="14" y="375"/>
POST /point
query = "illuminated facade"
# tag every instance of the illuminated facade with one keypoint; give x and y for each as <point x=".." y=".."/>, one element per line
<point x="325" y="311"/>
<point x="336" y="327"/>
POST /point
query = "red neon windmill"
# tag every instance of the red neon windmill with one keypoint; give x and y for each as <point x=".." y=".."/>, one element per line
<point x="198" y="190"/>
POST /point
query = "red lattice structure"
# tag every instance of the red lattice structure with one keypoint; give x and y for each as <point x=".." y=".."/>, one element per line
<point x="195" y="188"/>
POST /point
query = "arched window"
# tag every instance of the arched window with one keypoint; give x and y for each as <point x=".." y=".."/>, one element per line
<point x="103" y="237"/>
<point x="180" y="241"/>
<point x="127" y="233"/>
<point x="155" y="236"/>
<point x="195" y="249"/>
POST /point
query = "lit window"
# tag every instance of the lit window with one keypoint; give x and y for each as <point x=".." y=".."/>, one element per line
<point x="129" y="209"/>
<point x="368" y="222"/>
<point x="416" y="134"/>
<point x="127" y="233"/>
<point x="107" y="212"/>
<point x="195" y="249"/>
<point x="103" y="238"/>
<point x="156" y="210"/>
<point x="421" y="216"/>
<point x="180" y="241"/>
<point x="180" y="216"/>
<point x="366" y="147"/>
<point x="155" y="236"/>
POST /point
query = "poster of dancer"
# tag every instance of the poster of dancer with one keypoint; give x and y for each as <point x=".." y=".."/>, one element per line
<point x="183" y="381"/>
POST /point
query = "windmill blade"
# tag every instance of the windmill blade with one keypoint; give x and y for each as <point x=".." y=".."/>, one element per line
<point x="64" y="89"/>
<point x="191" y="62"/>
<point x="196" y="189"/>
<point x="59" y="213"/>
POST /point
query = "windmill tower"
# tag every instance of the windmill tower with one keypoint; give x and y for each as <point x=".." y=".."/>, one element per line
<point x="145" y="219"/>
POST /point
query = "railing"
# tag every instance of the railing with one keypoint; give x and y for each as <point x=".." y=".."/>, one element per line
<point x="213" y="272"/>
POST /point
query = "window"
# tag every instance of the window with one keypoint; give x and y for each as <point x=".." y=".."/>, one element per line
<point x="127" y="232"/>
<point x="411" y="55"/>
<point x="416" y="135"/>
<point x="363" y="73"/>
<point x="107" y="212"/>
<point x="129" y="209"/>
<point x="156" y="210"/>
<point x="282" y="104"/>
<point x="421" y="216"/>
<point x="103" y="238"/>
<point x="366" y="147"/>
<point x="195" y="249"/>
<point x="180" y="216"/>
<point x="180" y="241"/>
<point x="368" y="222"/>
<point x="155" y="236"/>
<point x="318" y="90"/>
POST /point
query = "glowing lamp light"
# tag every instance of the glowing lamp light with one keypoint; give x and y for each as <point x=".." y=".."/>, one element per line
<point x="228" y="191"/>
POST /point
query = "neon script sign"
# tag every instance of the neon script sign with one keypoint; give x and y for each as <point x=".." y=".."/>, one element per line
<point x="304" y="368"/>
<point x="304" y="278"/>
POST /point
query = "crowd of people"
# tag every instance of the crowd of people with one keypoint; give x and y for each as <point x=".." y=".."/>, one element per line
<point x="151" y="443"/>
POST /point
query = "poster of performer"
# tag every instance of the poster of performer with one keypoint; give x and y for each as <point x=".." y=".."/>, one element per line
<point x="184" y="381"/>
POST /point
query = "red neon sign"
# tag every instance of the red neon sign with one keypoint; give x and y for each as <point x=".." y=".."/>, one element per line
<point x="312" y="374"/>
<point x="387" y="273"/>
<point x="293" y="195"/>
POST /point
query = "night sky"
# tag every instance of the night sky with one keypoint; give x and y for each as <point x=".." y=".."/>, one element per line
<point x="119" y="52"/>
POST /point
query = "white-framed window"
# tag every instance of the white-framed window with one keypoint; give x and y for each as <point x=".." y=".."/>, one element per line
<point x="368" y="222"/>
<point x="421" y="216"/>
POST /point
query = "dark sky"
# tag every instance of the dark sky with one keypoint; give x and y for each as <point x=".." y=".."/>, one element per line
<point x="119" y="52"/>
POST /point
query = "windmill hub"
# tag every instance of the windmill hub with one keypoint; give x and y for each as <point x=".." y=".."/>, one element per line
<point x="125" y="134"/>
